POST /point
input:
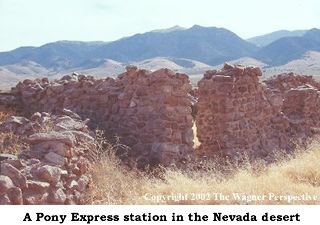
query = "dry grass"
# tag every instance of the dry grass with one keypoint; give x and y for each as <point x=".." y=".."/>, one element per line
<point x="5" y="114"/>
<point x="297" y="175"/>
<point x="9" y="142"/>
<point x="112" y="183"/>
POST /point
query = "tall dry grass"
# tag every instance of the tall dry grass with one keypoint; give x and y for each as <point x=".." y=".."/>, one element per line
<point x="294" y="179"/>
<point x="112" y="182"/>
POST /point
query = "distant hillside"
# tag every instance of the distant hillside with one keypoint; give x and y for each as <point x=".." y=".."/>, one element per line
<point x="308" y="64"/>
<point x="55" y="56"/>
<point x="191" y="51"/>
<point x="112" y="68"/>
<point x="245" y="61"/>
<point x="287" y="49"/>
<point x="264" y="40"/>
<point x="206" y="44"/>
<point x="11" y="74"/>
<point x="209" y="45"/>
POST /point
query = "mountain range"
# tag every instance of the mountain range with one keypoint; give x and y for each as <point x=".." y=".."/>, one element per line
<point x="209" y="45"/>
<point x="266" y="39"/>
<point x="192" y="50"/>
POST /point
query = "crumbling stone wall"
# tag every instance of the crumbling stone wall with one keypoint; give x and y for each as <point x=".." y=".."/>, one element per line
<point x="153" y="112"/>
<point x="8" y="100"/>
<point x="149" y="111"/>
<point x="300" y="111"/>
<point x="233" y="112"/>
<point x="236" y="113"/>
<point x="53" y="168"/>
<point x="284" y="82"/>
<point x="302" y="108"/>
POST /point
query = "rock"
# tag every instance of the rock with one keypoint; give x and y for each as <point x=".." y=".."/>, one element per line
<point x="66" y="123"/>
<point x="132" y="104"/>
<point x="35" y="198"/>
<point x="83" y="165"/>
<point x="36" y="116"/>
<point x="83" y="183"/>
<point x="286" y="81"/>
<point x="4" y="200"/>
<point x="77" y="197"/>
<point x="57" y="147"/>
<point x="70" y="200"/>
<point x="38" y="186"/>
<point x="73" y="185"/>
<point x="16" y="176"/>
<point x="81" y="136"/>
<point x="15" y="196"/>
<point x="50" y="174"/>
<point x="256" y="71"/>
<point x="17" y="163"/>
<point x="4" y="156"/>
<point x="57" y="196"/>
<point x="5" y="184"/>
<point x="17" y="120"/>
<point x="71" y="114"/>
<point x="228" y="66"/>
<point x="8" y="100"/>
<point x="51" y="136"/>
<point x="33" y="161"/>
<point x="55" y="158"/>
<point x="131" y="68"/>
<point x="16" y="125"/>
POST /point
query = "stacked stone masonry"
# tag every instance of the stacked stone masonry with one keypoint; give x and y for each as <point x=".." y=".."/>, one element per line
<point x="53" y="167"/>
<point x="238" y="114"/>
<point x="233" y="112"/>
<point x="149" y="111"/>
<point x="153" y="112"/>
<point x="300" y="108"/>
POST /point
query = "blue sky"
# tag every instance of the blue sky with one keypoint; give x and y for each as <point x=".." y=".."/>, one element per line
<point x="36" y="22"/>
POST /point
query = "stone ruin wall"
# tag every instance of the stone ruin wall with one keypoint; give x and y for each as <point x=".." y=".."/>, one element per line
<point x="152" y="113"/>
<point x="237" y="114"/>
<point x="149" y="111"/>
<point x="233" y="112"/>
<point x="53" y="166"/>
<point x="300" y="108"/>
<point x="286" y="81"/>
